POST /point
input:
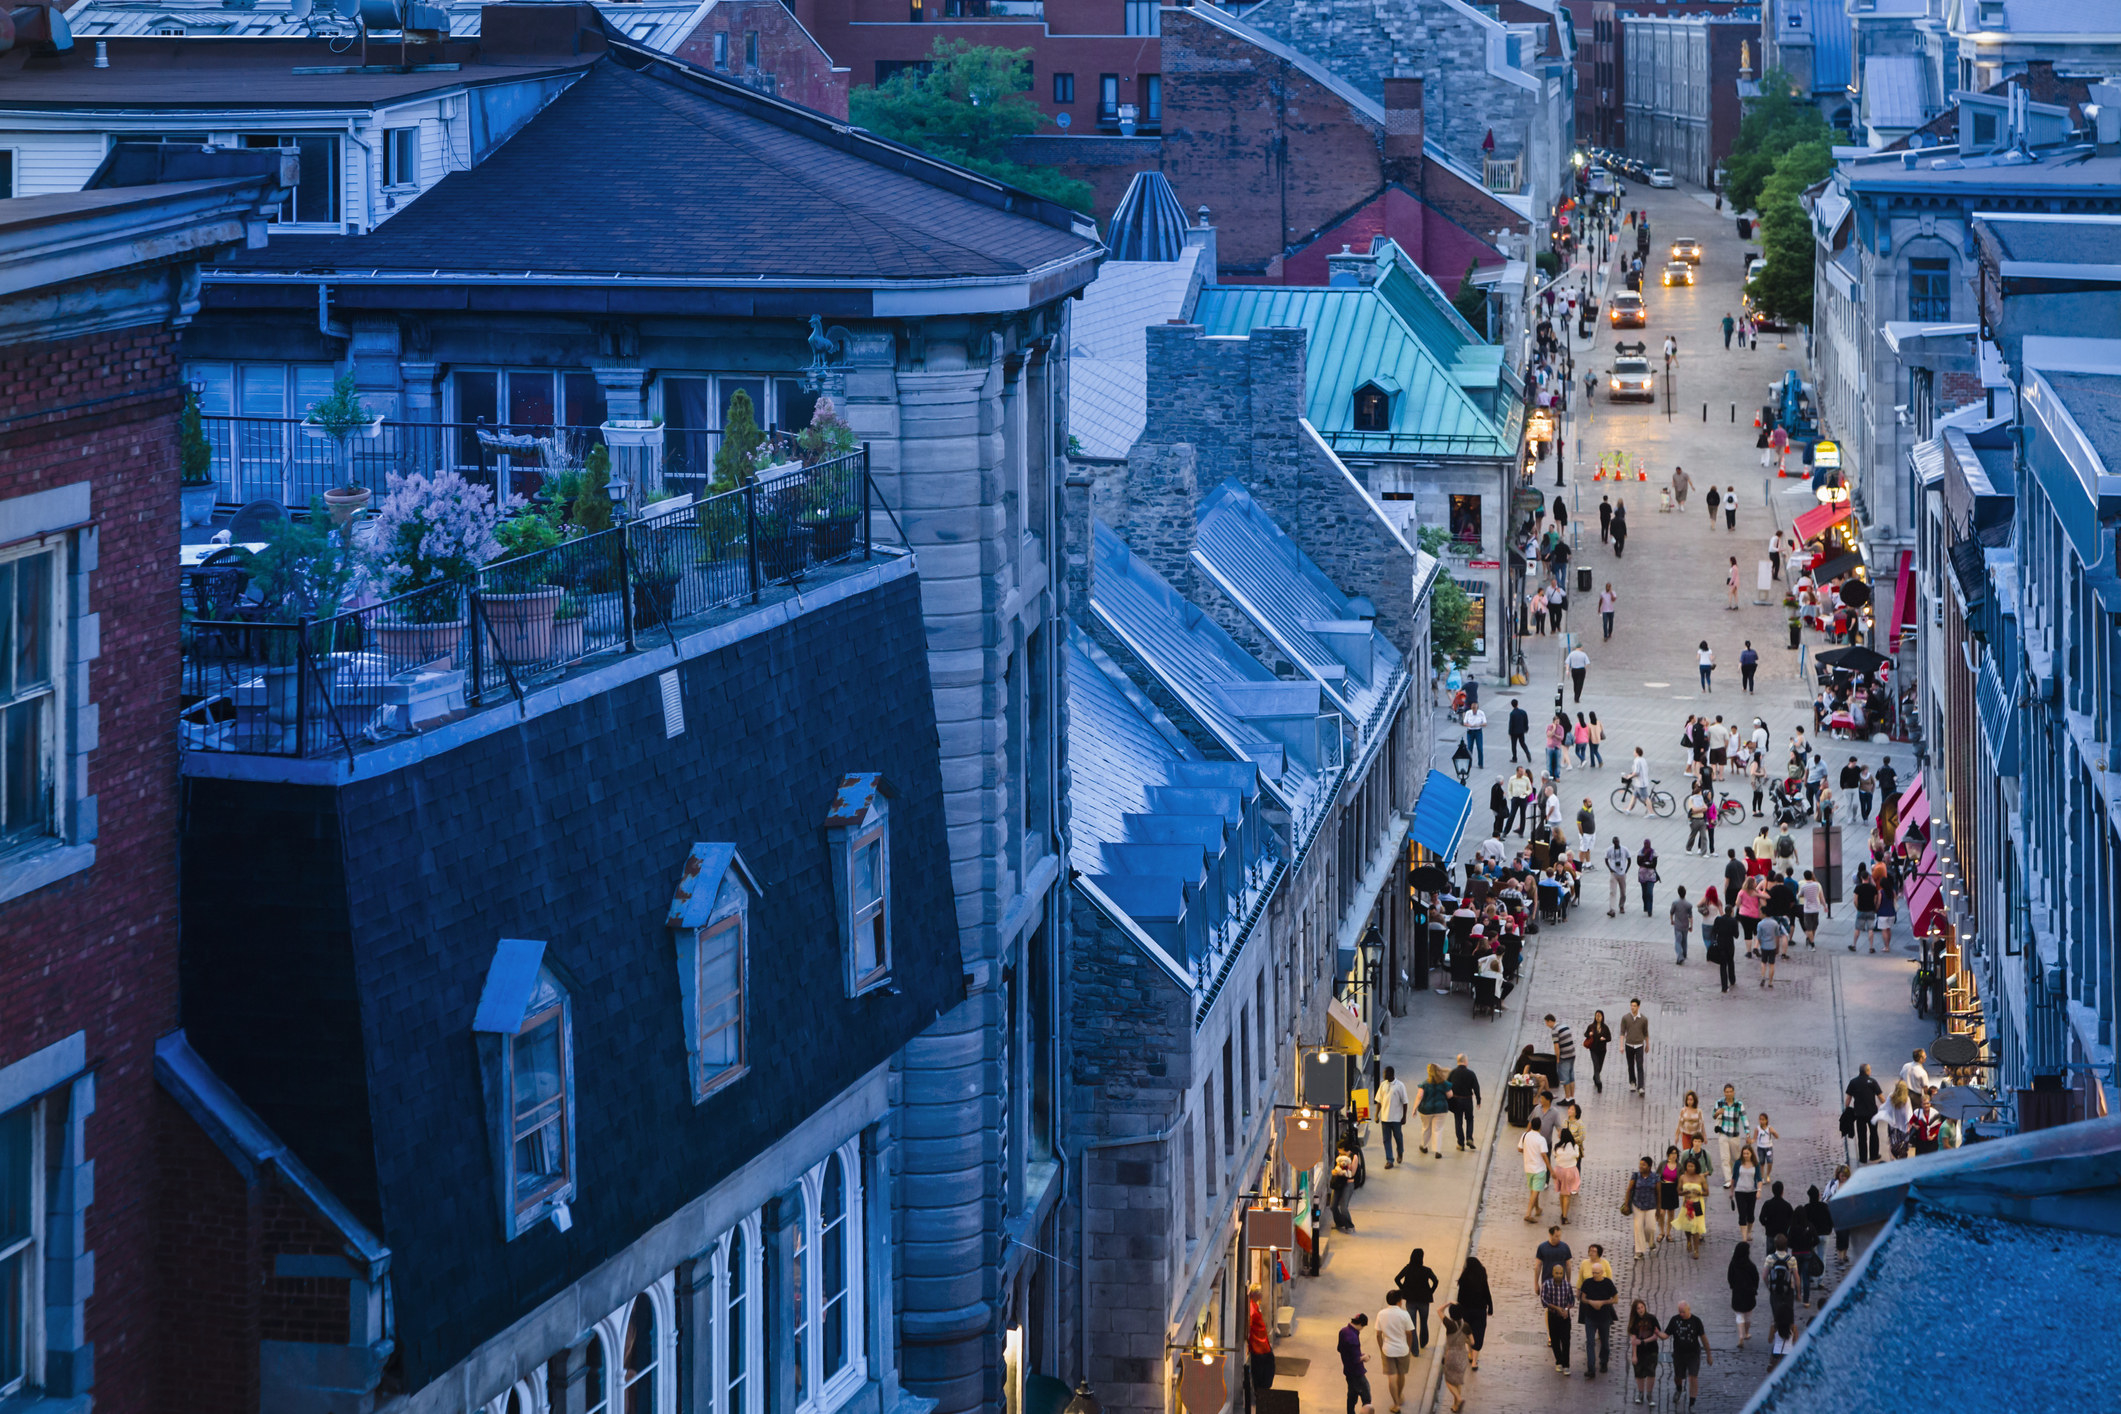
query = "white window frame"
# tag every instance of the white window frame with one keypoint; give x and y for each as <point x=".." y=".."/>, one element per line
<point x="32" y="1248"/>
<point x="289" y="221"/>
<point x="1144" y="17"/>
<point x="52" y="742"/>
<point x="497" y="1029"/>
<point x="662" y="1299"/>
<point x="559" y="1013"/>
<point x="401" y="149"/>
<point x="752" y="1396"/>
<point x="736" y="923"/>
<point x="861" y="818"/>
<point x="712" y="901"/>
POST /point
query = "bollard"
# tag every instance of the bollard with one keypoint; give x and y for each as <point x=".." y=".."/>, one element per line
<point x="1734" y="414"/>
<point x="1704" y="412"/>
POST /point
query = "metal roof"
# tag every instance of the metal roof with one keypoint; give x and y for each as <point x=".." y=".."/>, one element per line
<point x="1149" y="224"/>
<point x="1278" y="587"/>
<point x="1892" y="91"/>
<point x="1364" y="335"/>
<point x="1833" y="37"/>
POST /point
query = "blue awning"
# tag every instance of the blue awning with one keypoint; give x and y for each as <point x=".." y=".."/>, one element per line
<point x="1440" y="815"/>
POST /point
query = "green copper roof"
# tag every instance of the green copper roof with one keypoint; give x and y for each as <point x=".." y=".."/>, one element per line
<point x="1406" y="339"/>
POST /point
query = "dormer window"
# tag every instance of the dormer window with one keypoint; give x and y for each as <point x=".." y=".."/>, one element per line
<point x="1373" y="409"/>
<point x="524" y="1029"/>
<point x="710" y="922"/>
<point x="858" y="833"/>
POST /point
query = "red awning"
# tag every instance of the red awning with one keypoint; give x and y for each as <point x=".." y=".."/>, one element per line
<point x="1815" y="523"/>
<point x="1924" y="899"/>
<point x="1914" y="815"/>
<point x="1909" y="796"/>
<point x="1903" y="599"/>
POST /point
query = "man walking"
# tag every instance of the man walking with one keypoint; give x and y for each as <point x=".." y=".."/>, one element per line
<point x="1564" y="1057"/>
<point x="1607" y="603"/>
<point x="1730" y="327"/>
<point x="1617" y="861"/>
<point x="1715" y="503"/>
<point x="1353" y="1367"/>
<point x="1533" y="1147"/>
<point x="1635" y="1041"/>
<point x="1865" y="1097"/>
<point x="1605" y="518"/>
<point x="1748" y="664"/>
<point x="1476" y="722"/>
<point x="1729" y="1119"/>
<point x="1690" y="1342"/>
<point x="1392" y="1114"/>
<point x="1395" y="1332"/>
<point x="1682" y="914"/>
<point x="1520" y="724"/>
<point x="1579" y="665"/>
<point x="1465" y="1094"/>
<point x="1559" y="1298"/>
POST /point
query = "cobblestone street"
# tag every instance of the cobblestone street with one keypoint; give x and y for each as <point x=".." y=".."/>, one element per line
<point x="1788" y="1051"/>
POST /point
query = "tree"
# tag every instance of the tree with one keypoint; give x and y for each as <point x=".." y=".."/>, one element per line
<point x="1784" y="288"/>
<point x="741" y="440"/>
<point x="966" y="104"/>
<point x="1774" y="123"/>
<point x="1450" y="611"/>
<point x="1471" y="301"/>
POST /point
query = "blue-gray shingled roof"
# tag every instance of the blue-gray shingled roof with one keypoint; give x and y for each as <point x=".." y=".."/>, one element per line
<point x="1249" y="557"/>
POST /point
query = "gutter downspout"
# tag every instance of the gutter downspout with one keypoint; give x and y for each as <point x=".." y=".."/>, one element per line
<point x="1082" y="1231"/>
<point x="371" y="175"/>
<point x="326" y="325"/>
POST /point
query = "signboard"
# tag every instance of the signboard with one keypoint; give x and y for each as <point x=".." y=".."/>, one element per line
<point x="1827" y="456"/>
<point x="1483" y="564"/>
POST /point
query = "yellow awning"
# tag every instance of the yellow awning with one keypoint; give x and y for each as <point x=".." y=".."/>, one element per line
<point x="1345" y="1028"/>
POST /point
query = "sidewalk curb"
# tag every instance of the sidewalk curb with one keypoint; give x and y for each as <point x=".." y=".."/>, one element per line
<point x="1469" y="1226"/>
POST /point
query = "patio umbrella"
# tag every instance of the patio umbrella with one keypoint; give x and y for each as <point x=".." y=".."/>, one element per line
<point x="1835" y="568"/>
<point x="1855" y="593"/>
<point x="1431" y="879"/>
<point x="1856" y="658"/>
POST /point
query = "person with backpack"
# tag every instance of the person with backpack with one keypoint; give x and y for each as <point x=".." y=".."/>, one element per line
<point x="1781" y="1280"/>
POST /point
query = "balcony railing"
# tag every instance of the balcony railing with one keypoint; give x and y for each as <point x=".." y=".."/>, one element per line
<point x="315" y="688"/>
<point x="286" y="460"/>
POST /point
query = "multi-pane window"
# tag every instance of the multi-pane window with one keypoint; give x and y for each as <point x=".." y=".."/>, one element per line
<point x="1929" y="290"/>
<point x="316" y="197"/>
<point x="721" y="1001"/>
<point x="832" y="1267"/>
<point x="538" y="1098"/>
<point x="1144" y="17"/>
<point x="735" y="1384"/>
<point x="1064" y="88"/>
<point x="20" y="1203"/>
<point x="31" y="590"/>
<point x="401" y="157"/>
<point x="1373" y="409"/>
<point x="872" y="918"/>
<point x="596" y="1397"/>
<point x="638" y="1363"/>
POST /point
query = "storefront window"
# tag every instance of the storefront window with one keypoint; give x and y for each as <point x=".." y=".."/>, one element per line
<point x="1465" y="519"/>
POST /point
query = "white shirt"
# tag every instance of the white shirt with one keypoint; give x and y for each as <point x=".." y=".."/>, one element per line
<point x="1395" y="1328"/>
<point x="1918" y="1080"/>
<point x="1579" y="659"/>
<point x="1534" y="1148"/>
<point x="1707" y="656"/>
<point x="1475" y="719"/>
<point x="1641" y="769"/>
<point x="1719" y="736"/>
<point x="1395" y="1106"/>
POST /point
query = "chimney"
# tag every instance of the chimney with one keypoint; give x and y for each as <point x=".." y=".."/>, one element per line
<point x="1403" y="132"/>
<point x="1202" y="233"/>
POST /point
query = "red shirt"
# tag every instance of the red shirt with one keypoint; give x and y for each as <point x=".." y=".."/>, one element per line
<point x="1256" y="1334"/>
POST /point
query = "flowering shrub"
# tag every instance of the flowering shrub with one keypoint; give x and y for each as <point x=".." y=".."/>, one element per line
<point x="431" y="530"/>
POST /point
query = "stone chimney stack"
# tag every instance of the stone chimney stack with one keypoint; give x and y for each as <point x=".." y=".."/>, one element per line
<point x="1403" y="132"/>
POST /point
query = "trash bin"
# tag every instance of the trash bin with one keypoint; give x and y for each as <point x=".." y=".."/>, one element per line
<point x="1745" y="229"/>
<point x="1518" y="1102"/>
<point x="1583" y="579"/>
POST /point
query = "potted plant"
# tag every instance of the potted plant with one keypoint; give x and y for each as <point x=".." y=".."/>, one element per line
<point x="336" y="418"/>
<point x="517" y="600"/>
<point x="735" y="461"/>
<point x="432" y="533"/>
<point x="570" y="622"/>
<point x="782" y="539"/>
<point x="195" y="465"/>
<point x="655" y="579"/>
<point x="304" y="572"/>
<point x="1796" y="631"/>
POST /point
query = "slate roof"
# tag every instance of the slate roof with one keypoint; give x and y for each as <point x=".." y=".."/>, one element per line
<point x="352" y="932"/>
<point x="669" y="173"/>
<point x="1108" y="367"/>
<point x="1892" y="91"/>
<point x="2093" y="401"/>
<point x="2074" y="240"/>
<point x="1303" y="612"/>
<point x="1372" y="334"/>
<point x="1222" y="685"/>
<point x="659" y="24"/>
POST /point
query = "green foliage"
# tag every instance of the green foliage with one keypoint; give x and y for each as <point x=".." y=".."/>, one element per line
<point x="1450" y="633"/>
<point x="966" y="107"/>
<point x="735" y="460"/>
<point x="195" y="455"/>
<point x="341" y="412"/>
<point x="1471" y="302"/>
<point x="827" y="436"/>
<point x="1784" y="288"/>
<point x="1774" y="123"/>
<point x="526" y="532"/>
<point x="590" y="511"/>
<point x="1549" y="263"/>
<point x="305" y="570"/>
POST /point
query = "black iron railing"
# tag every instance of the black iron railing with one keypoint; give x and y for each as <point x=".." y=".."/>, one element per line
<point x="318" y="687"/>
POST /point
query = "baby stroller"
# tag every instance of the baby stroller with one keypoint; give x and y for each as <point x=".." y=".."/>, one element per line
<point x="1793" y="805"/>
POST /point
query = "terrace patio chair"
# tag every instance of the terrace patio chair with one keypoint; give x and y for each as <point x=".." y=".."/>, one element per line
<point x="250" y="523"/>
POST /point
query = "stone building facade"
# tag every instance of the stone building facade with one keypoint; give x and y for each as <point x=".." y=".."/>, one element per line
<point x="1680" y="86"/>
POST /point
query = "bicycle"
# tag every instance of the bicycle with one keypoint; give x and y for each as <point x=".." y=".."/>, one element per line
<point x="1660" y="802"/>
<point x="1729" y="811"/>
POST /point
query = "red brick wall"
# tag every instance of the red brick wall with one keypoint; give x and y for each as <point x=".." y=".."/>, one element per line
<point x="98" y="951"/>
<point x="802" y="72"/>
<point x="1440" y="246"/>
<point x="301" y="1308"/>
<point x="207" y="1261"/>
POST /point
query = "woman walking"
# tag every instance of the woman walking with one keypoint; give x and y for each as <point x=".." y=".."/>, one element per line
<point x="1690" y="1126"/>
<point x="1841" y="1234"/>
<point x="1644" y="1332"/>
<point x="1557" y="735"/>
<point x="1641" y="1205"/>
<point x="1667" y="1192"/>
<point x="1596" y="1037"/>
<point x="1457" y="1356"/>
<point x="1705" y="660"/>
<point x="1745" y="1189"/>
<point x="1898" y="1114"/>
<point x="1582" y="736"/>
<point x="1563" y="1167"/>
<point x="1730" y="508"/>
<point x="1435" y="1103"/>
<point x="1730" y="583"/>
<point x="1764" y="1137"/>
<point x="1715" y="503"/>
<point x="1538" y="611"/>
<point x="1646" y="874"/>
<point x="1693" y="1208"/>
<point x="1416" y="1285"/>
<point x="1744" y="1278"/>
<point x="1475" y="1304"/>
<point x="1752" y="902"/>
<point x="1596" y="739"/>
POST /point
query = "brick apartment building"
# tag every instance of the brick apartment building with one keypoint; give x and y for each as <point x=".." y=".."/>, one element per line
<point x="89" y="404"/>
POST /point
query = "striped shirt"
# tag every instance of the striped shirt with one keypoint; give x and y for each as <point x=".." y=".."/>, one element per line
<point x="1564" y="1044"/>
<point x="1557" y="1295"/>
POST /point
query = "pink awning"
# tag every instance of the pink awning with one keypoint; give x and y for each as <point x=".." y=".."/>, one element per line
<point x="1815" y="523"/>
<point x="1903" y="599"/>
<point x="1925" y="891"/>
<point x="1913" y="815"/>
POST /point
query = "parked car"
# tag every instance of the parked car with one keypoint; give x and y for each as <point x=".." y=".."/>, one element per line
<point x="1766" y="323"/>
<point x="1630" y="379"/>
<point x="1687" y="248"/>
<point x="1661" y="177"/>
<point x="1626" y="311"/>
<point x="1679" y="273"/>
<point x="1755" y="268"/>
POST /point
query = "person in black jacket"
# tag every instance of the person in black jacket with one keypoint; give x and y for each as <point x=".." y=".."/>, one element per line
<point x="1465" y="1094"/>
<point x="1865" y="1098"/>
<point x="1724" y="949"/>
<point x="1475" y="1304"/>
<point x="1520" y="724"/>
<point x="1499" y="803"/>
<point x="1776" y="1214"/>
<point x="1416" y="1285"/>
<point x="1744" y="1278"/>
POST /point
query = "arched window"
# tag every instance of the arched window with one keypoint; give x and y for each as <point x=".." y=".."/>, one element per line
<point x="638" y="1361"/>
<point x="736" y="1326"/>
<point x="596" y="1387"/>
<point x="1373" y="409"/>
<point x="799" y="1278"/>
<point x="832" y="1266"/>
